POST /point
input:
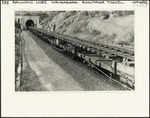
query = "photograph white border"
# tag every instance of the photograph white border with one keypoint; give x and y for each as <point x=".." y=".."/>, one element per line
<point x="81" y="103"/>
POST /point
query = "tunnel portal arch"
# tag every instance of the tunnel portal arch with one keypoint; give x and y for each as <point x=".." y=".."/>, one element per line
<point x="29" y="23"/>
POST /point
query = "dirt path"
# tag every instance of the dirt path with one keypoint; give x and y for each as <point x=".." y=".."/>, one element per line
<point x="49" y="73"/>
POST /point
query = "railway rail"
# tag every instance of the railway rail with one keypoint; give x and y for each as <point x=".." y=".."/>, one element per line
<point x="102" y="57"/>
<point x="96" y="47"/>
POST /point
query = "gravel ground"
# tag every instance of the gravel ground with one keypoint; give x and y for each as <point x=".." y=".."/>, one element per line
<point x="29" y="80"/>
<point x="90" y="79"/>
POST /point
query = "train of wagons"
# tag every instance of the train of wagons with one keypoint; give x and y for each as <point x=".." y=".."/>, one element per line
<point x="108" y="58"/>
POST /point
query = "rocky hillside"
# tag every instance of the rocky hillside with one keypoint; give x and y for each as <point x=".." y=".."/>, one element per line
<point x="100" y="26"/>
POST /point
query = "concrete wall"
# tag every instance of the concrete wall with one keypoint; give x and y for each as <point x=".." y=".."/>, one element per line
<point x="24" y="19"/>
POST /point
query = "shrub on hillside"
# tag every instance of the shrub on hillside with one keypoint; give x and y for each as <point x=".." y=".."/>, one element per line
<point x="122" y="13"/>
<point x="96" y="32"/>
<point x="105" y="15"/>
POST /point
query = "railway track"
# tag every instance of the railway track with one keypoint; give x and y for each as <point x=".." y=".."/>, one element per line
<point x="95" y="47"/>
<point x="109" y="77"/>
<point x="89" y="78"/>
<point x="76" y="46"/>
<point x="93" y="66"/>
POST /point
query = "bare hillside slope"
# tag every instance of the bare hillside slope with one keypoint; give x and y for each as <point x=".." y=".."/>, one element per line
<point x="93" y="26"/>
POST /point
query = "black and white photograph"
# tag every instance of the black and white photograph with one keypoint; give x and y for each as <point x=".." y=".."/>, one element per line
<point x="74" y="50"/>
<point x="74" y="58"/>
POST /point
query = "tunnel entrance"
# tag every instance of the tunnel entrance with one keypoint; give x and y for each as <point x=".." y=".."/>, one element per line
<point x="29" y="23"/>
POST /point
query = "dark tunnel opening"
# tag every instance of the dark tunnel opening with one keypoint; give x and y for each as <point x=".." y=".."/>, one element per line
<point x="29" y="23"/>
